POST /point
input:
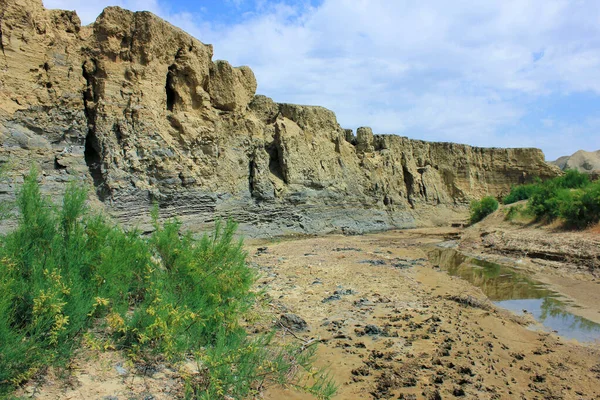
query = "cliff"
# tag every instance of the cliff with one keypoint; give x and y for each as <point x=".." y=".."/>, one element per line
<point x="138" y="108"/>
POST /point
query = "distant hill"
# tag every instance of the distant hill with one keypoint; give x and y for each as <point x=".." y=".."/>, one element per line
<point x="583" y="161"/>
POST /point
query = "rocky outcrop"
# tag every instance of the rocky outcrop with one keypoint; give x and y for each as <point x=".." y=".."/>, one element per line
<point x="137" y="108"/>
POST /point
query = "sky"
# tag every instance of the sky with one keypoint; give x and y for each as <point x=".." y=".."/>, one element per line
<point x="494" y="73"/>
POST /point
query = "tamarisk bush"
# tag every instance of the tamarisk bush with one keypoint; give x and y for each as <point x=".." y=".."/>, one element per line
<point x="65" y="269"/>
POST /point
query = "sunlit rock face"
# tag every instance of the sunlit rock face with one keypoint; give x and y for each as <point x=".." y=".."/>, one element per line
<point x="138" y="109"/>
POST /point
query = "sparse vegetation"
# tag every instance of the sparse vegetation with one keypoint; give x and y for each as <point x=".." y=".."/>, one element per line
<point x="64" y="270"/>
<point x="482" y="208"/>
<point x="513" y="211"/>
<point x="571" y="197"/>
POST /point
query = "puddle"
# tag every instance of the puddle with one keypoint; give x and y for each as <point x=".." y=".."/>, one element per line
<point x="516" y="291"/>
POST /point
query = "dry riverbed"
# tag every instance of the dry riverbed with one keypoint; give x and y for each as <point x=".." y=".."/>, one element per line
<point x="391" y="324"/>
<point x="394" y="326"/>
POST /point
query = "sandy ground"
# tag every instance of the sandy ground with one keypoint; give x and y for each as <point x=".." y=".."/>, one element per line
<point x="391" y="326"/>
<point x="396" y="334"/>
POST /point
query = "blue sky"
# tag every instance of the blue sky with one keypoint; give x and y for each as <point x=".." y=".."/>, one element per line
<point x="501" y="73"/>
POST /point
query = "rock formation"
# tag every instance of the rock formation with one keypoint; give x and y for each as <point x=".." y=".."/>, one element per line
<point x="138" y="108"/>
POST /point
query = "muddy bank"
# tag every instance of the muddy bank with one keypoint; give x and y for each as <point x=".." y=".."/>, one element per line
<point x="551" y="246"/>
<point x="508" y="285"/>
<point x="393" y="326"/>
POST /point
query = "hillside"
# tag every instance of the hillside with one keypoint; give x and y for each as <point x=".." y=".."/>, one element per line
<point x="583" y="161"/>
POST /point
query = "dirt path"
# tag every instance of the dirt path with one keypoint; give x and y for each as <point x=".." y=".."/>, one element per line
<point x="390" y="330"/>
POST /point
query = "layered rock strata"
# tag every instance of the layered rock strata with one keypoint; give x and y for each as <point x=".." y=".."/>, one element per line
<point x="137" y="108"/>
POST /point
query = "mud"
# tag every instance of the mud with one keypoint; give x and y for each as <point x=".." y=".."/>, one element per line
<point x="391" y="325"/>
<point x="415" y="331"/>
<point x="511" y="288"/>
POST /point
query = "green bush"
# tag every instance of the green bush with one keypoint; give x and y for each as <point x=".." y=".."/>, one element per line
<point x="518" y="193"/>
<point x="571" y="179"/>
<point x="546" y="200"/>
<point x="571" y="197"/>
<point x="483" y="208"/>
<point x="582" y="207"/>
<point x="63" y="270"/>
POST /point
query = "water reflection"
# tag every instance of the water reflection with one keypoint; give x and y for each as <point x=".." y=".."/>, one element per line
<point x="516" y="291"/>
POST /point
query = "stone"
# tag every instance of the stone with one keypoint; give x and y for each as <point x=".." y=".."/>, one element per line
<point x="373" y="330"/>
<point x="231" y="88"/>
<point x="121" y="370"/>
<point x="293" y="322"/>
<point x="364" y="140"/>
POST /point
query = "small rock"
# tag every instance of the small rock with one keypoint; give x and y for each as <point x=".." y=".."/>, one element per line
<point x="344" y="292"/>
<point x="346" y="249"/>
<point x="538" y="378"/>
<point x="372" y="262"/>
<point x="333" y="297"/>
<point x="261" y="251"/>
<point x="364" y="303"/>
<point x="373" y="330"/>
<point x="293" y="322"/>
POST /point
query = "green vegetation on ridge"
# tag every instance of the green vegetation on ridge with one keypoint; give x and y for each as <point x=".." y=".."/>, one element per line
<point x="482" y="208"/>
<point x="571" y="197"/>
<point x="64" y="270"/>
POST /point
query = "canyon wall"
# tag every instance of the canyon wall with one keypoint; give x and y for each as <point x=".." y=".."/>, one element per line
<point x="138" y="109"/>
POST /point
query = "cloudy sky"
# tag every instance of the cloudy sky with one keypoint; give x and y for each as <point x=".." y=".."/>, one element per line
<point x="504" y="73"/>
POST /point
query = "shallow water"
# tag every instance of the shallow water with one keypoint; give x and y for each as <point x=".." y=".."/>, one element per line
<point x="516" y="291"/>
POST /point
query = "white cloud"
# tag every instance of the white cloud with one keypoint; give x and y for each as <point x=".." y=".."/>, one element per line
<point x="466" y="71"/>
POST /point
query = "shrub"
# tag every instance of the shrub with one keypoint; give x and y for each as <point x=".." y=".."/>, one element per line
<point x="63" y="270"/>
<point x="582" y="207"/>
<point x="518" y="193"/>
<point x="572" y="197"/>
<point x="572" y="179"/>
<point x="513" y="212"/>
<point x="547" y="199"/>
<point x="481" y="209"/>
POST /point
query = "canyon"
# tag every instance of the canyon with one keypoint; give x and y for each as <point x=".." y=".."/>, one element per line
<point x="137" y="108"/>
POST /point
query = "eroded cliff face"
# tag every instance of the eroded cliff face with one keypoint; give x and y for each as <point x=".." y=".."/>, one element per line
<point x="138" y="108"/>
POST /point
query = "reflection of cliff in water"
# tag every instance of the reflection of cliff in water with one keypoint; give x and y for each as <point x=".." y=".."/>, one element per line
<point x="516" y="291"/>
<point x="496" y="281"/>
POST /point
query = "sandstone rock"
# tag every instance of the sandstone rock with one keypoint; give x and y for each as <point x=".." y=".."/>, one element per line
<point x="231" y="88"/>
<point x="137" y="109"/>
<point x="364" y="140"/>
<point x="265" y="109"/>
<point x="349" y="136"/>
